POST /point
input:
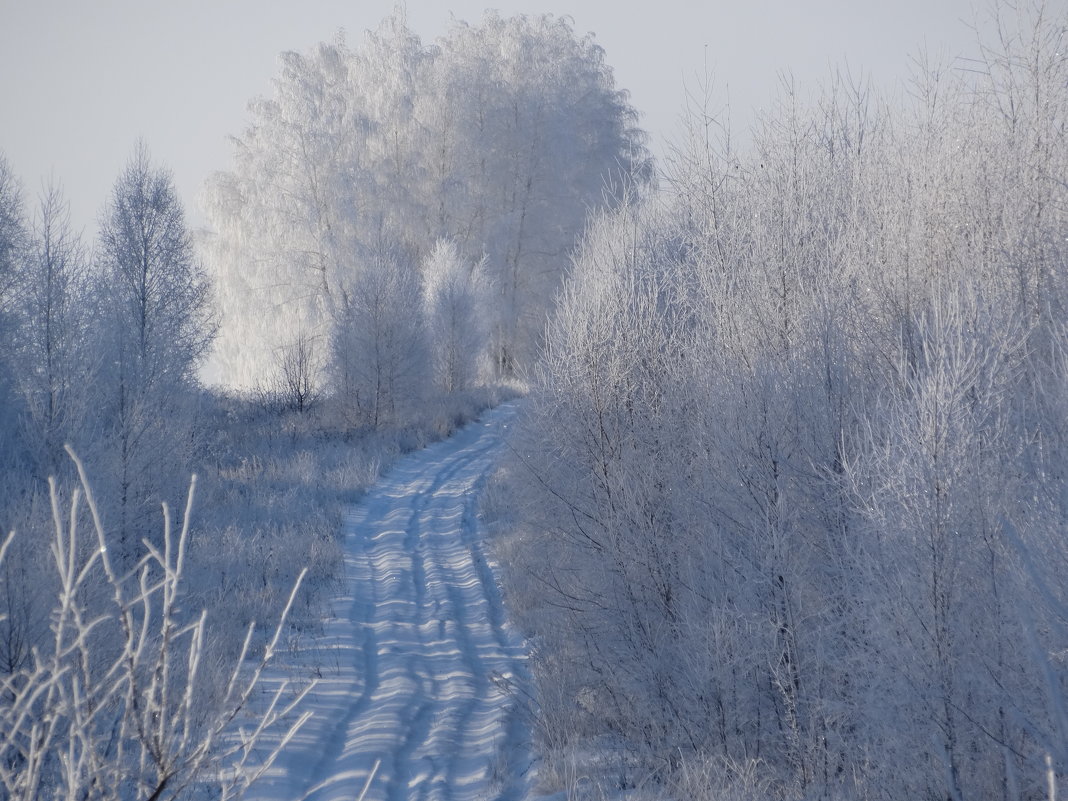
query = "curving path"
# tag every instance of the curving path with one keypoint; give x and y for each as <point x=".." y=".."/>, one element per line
<point x="419" y="667"/>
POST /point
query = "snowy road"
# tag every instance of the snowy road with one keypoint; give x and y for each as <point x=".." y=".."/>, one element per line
<point x="419" y="665"/>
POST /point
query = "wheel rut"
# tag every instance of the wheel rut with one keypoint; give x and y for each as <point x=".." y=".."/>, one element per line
<point x="423" y="644"/>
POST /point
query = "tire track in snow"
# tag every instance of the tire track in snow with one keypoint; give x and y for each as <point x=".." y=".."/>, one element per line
<point x="422" y="643"/>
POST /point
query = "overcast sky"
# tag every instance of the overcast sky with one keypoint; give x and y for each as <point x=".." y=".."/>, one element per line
<point x="81" y="81"/>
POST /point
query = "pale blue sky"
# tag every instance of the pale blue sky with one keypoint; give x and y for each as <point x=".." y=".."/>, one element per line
<point x="81" y="81"/>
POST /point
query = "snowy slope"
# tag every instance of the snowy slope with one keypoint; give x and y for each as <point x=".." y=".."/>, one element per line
<point x="419" y="667"/>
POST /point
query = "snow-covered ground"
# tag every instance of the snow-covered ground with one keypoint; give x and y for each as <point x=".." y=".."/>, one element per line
<point x="420" y="669"/>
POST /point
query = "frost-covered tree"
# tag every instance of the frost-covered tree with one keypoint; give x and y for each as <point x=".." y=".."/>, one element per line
<point x="545" y="138"/>
<point x="391" y="75"/>
<point x="297" y="385"/>
<point x="285" y="216"/>
<point x="13" y="239"/>
<point x="455" y="306"/>
<point x="12" y="229"/>
<point x="563" y="138"/>
<point x="155" y="325"/>
<point x="159" y="289"/>
<point x="378" y="363"/>
<point x="52" y="358"/>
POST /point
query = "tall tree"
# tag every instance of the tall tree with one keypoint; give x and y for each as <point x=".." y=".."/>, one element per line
<point x="157" y="325"/>
<point x="12" y="229"/>
<point x="545" y="138"/>
<point x="455" y="307"/>
<point x="378" y="356"/>
<point x="54" y="362"/>
<point x="159" y="288"/>
<point x="12" y="252"/>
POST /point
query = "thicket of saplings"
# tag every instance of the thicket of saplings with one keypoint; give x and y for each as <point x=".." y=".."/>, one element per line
<point x="791" y="501"/>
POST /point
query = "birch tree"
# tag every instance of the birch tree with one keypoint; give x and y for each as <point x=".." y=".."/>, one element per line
<point x="54" y="361"/>
<point x="156" y="326"/>
<point x="455" y="307"/>
<point x="379" y="362"/>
